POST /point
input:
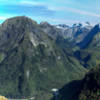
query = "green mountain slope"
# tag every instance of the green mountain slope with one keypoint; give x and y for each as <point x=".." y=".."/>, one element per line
<point x="90" y="55"/>
<point x="31" y="63"/>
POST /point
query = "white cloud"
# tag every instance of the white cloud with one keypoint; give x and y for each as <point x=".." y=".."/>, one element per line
<point x="35" y="3"/>
<point x="25" y="2"/>
<point x="3" y="17"/>
<point x="82" y="12"/>
<point x="65" y="9"/>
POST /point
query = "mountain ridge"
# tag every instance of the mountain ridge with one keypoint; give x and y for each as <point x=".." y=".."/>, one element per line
<point x="30" y="61"/>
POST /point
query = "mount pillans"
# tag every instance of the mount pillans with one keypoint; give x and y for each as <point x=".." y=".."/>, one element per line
<point x="37" y="58"/>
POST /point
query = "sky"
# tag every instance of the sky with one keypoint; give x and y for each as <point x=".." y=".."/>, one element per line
<point x="53" y="11"/>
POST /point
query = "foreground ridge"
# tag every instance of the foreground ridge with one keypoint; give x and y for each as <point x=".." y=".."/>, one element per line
<point x="3" y="98"/>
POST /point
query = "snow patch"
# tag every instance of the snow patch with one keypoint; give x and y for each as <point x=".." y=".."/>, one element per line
<point x="62" y="28"/>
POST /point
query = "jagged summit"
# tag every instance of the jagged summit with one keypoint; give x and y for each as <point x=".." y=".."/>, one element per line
<point x="44" y="23"/>
<point x="16" y="30"/>
<point x="18" y="19"/>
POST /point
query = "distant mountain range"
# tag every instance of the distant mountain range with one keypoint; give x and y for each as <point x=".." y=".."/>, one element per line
<point x="77" y="32"/>
<point x="35" y="58"/>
